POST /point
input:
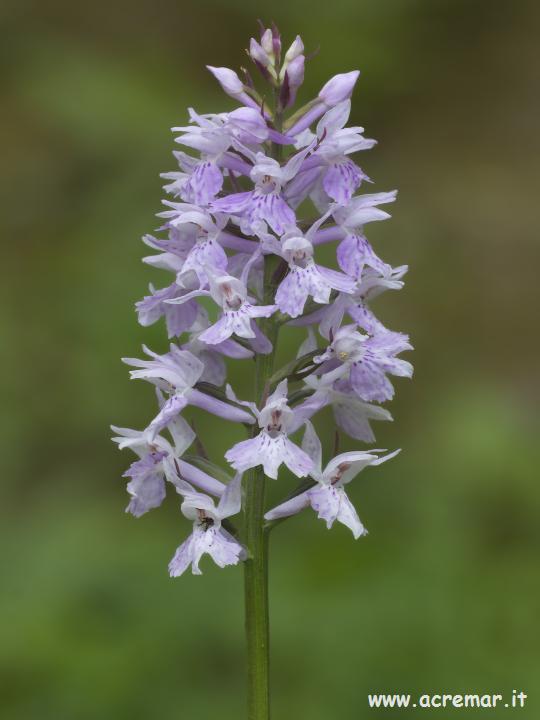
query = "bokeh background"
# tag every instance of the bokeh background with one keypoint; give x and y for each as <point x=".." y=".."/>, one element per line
<point x="444" y="593"/>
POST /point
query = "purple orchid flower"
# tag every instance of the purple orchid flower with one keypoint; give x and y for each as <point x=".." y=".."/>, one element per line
<point x="271" y="448"/>
<point x="200" y="249"/>
<point x="352" y="415"/>
<point x="364" y="361"/>
<point x="178" y="318"/>
<point x="354" y="251"/>
<point x="305" y="278"/>
<point x="328" y="498"/>
<point x="208" y="536"/>
<point x="238" y="313"/>
<point x="149" y="473"/>
<point x="177" y="372"/>
<point x="216" y="137"/>
<point x="329" y="174"/>
<point x="266" y="203"/>
<point x="356" y="304"/>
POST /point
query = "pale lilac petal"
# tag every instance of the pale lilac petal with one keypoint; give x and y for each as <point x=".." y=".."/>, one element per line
<point x="332" y="315"/>
<point x="181" y="433"/>
<point x="224" y="549"/>
<point x="345" y="467"/>
<point x="207" y="252"/>
<point x="235" y="203"/>
<point x="292" y="293"/>
<point x="301" y="186"/>
<point x="215" y="371"/>
<point x="348" y="516"/>
<point x="270" y="453"/>
<point x="336" y="280"/>
<point x="334" y="119"/>
<point x="311" y="445"/>
<point x="231" y="500"/>
<point x="218" y="332"/>
<point x="204" y="183"/>
<point x="182" y="558"/>
<point x="245" y="454"/>
<point x="260" y="343"/>
<point x="272" y="209"/>
<point x="341" y="181"/>
<point x="179" y="318"/>
<point x="353" y="416"/>
<point x="168" y="412"/>
<point x="308" y="408"/>
<point x="370" y="383"/>
<point x="354" y="252"/>
<point x="296" y="460"/>
<point x="325" y="501"/>
<point x="147" y="485"/>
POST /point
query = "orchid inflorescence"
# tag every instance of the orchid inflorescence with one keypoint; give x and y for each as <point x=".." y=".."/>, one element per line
<point x="259" y="190"/>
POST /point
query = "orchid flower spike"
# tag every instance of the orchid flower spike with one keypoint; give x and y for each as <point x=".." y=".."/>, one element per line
<point x="263" y="232"/>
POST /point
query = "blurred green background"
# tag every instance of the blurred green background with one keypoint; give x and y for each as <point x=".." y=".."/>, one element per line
<point x="444" y="593"/>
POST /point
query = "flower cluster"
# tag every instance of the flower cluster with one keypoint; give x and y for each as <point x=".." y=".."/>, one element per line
<point x="257" y="190"/>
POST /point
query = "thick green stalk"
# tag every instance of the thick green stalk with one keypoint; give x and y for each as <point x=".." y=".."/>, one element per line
<point x="256" y="539"/>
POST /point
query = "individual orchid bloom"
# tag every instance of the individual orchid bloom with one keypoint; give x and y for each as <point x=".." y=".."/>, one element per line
<point x="197" y="181"/>
<point x="147" y="485"/>
<point x="271" y="447"/>
<point x="174" y="249"/>
<point x="328" y="498"/>
<point x="265" y="203"/>
<point x="356" y="304"/>
<point x="354" y="251"/>
<point x="330" y="175"/>
<point x="364" y="362"/>
<point x="149" y="473"/>
<point x="201" y="248"/>
<point x="178" y="318"/>
<point x="208" y="536"/>
<point x="352" y="415"/>
<point x="305" y="278"/>
<point x="176" y="373"/>
<point x="238" y="313"/>
<point x="211" y="356"/>
<point x="215" y="137"/>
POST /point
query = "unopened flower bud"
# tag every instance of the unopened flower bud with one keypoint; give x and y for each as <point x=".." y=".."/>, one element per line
<point x="258" y="54"/>
<point x="267" y="43"/>
<point x="228" y="79"/>
<point x="339" y="88"/>
<point x="296" y="49"/>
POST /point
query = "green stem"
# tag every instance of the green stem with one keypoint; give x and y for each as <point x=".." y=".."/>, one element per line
<point x="256" y="539"/>
<point x="256" y="599"/>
